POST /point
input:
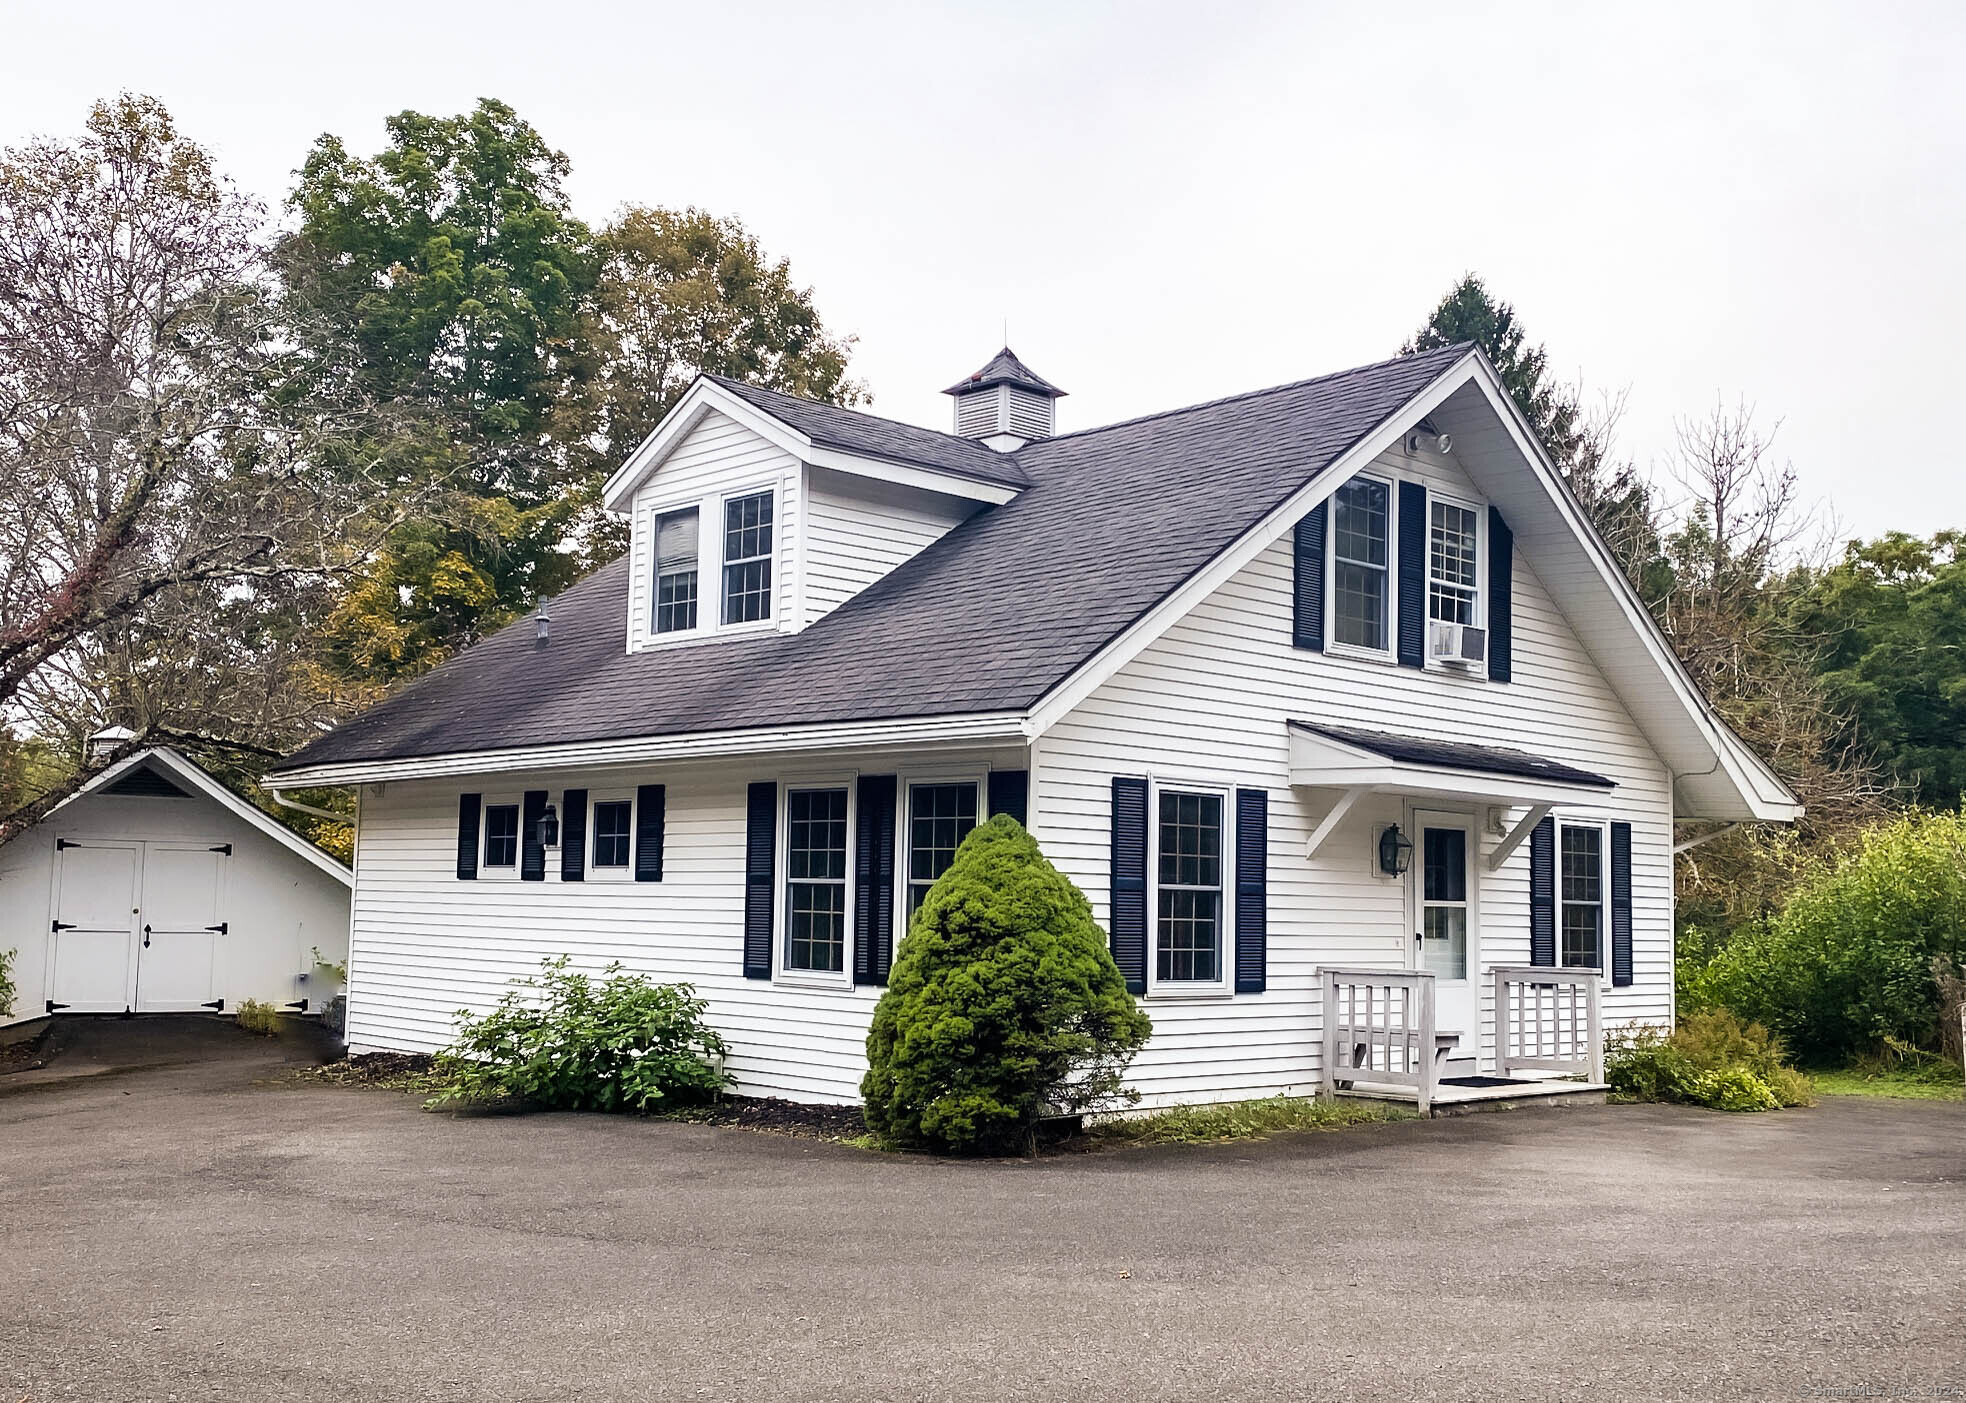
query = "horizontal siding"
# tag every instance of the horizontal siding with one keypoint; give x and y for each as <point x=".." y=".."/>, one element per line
<point x="718" y="455"/>
<point x="426" y="944"/>
<point x="1208" y="703"/>
<point x="857" y="530"/>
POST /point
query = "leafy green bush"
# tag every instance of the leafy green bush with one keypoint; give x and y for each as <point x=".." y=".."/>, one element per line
<point x="257" y="1017"/>
<point x="1711" y="1059"/>
<point x="7" y="989"/>
<point x="1848" y="961"/>
<point x="1004" y="1006"/>
<point x="558" y="1041"/>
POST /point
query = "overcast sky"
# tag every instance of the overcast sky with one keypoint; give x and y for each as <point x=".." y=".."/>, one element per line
<point x="1168" y="203"/>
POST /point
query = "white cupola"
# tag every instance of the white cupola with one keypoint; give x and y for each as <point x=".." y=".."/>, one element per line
<point x="1005" y="404"/>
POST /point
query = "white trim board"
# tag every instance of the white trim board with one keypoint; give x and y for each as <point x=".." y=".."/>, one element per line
<point x="179" y="768"/>
<point x="706" y="395"/>
<point x="919" y="731"/>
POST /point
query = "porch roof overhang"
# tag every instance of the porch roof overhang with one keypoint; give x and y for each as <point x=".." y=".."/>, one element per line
<point x="1365" y="762"/>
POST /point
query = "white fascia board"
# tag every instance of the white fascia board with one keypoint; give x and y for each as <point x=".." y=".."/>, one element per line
<point x="1217" y="572"/>
<point x="1761" y="790"/>
<point x="706" y="395"/>
<point x="869" y="735"/>
<point x="184" y="770"/>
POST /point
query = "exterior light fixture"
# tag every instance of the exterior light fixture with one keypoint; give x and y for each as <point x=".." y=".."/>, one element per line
<point x="1395" y="851"/>
<point x="549" y="828"/>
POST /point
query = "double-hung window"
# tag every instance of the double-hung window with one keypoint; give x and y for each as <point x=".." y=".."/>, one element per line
<point x="501" y="835"/>
<point x="815" y="881"/>
<point x="1188" y="926"/>
<point x="1580" y="927"/>
<point x="1360" y="516"/>
<point x="940" y="816"/>
<point x="1453" y="545"/>
<point x="614" y="828"/>
<point x="675" y="571"/>
<point x="747" y="558"/>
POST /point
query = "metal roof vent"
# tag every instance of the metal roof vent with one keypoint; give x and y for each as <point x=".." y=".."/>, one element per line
<point x="1005" y="404"/>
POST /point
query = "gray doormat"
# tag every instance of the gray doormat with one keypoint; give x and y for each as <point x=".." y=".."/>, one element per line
<point x="1482" y="1081"/>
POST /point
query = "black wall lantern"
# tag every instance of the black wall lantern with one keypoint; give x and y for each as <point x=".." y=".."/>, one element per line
<point x="549" y="828"/>
<point x="1395" y="851"/>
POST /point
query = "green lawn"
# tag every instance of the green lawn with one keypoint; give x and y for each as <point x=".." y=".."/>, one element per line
<point x="1931" y="1082"/>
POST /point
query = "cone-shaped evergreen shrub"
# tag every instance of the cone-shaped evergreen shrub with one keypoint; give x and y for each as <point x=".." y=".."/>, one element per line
<point x="1003" y="1006"/>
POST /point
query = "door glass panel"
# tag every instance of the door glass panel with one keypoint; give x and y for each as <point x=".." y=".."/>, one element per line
<point x="1444" y="902"/>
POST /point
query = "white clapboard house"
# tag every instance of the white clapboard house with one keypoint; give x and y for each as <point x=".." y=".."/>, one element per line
<point x="1327" y="696"/>
<point x="155" y="889"/>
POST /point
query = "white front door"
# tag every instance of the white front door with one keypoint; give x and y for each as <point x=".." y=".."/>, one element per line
<point x="93" y="962"/>
<point x="1441" y="889"/>
<point x="176" y="962"/>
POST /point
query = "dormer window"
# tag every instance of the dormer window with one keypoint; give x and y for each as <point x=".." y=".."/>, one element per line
<point x="747" y="558"/>
<point x="675" y="571"/>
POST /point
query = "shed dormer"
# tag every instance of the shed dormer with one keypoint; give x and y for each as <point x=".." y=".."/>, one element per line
<point x="1005" y="404"/>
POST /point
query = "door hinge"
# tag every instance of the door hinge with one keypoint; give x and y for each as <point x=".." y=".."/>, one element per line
<point x="63" y="845"/>
<point x="216" y="1005"/>
<point x="54" y="1007"/>
<point x="225" y="848"/>
<point x="300" y="1004"/>
<point x="55" y="926"/>
<point x="221" y="927"/>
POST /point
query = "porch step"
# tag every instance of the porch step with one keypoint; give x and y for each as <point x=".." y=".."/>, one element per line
<point x="1462" y="1066"/>
<point x="1466" y="1100"/>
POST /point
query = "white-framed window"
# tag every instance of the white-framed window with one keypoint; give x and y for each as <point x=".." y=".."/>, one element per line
<point x="1583" y="895"/>
<point x="1361" y="565"/>
<point x="611" y="836"/>
<point x="499" y="841"/>
<point x="676" y="570"/>
<point x="817" y="896"/>
<point x="940" y="814"/>
<point x="1453" y="562"/>
<point x="1190" y="913"/>
<point x="747" y="554"/>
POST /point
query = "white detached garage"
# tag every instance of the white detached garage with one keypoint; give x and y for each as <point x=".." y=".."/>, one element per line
<point x="155" y="889"/>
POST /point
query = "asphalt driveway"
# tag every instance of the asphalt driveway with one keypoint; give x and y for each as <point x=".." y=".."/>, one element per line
<point x="211" y="1229"/>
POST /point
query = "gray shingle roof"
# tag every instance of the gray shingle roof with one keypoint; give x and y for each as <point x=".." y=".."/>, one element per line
<point x="1005" y="369"/>
<point x="990" y="618"/>
<point x="1458" y="755"/>
<point x="890" y="440"/>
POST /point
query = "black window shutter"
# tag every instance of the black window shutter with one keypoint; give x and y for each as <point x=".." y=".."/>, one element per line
<point x="1501" y="601"/>
<point x="760" y="867"/>
<point x="651" y="817"/>
<point x="1307" y="626"/>
<point x="573" y="835"/>
<point x="873" y="875"/>
<point x="1252" y="890"/>
<point x="532" y="853"/>
<point x="467" y="836"/>
<point x="1621" y="904"/>
<point x="1542" y="893"/>
<point x="1412" y="574"/>
<point x="1129" y="890"/>
<point x="1010" y="793"/>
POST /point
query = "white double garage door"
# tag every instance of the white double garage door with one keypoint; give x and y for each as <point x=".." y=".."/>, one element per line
<point x="137" y="926"/>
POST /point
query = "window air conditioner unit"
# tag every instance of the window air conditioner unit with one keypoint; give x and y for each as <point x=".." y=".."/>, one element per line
<point x="1459" y="645"/>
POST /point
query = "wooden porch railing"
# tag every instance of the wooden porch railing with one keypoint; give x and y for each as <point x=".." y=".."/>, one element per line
<point x="1546" y="1020"/>
<point x="1379" y="1028"/>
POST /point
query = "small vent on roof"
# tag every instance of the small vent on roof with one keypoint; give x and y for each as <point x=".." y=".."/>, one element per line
<point x="1005" y="404"/>
<point x="144" y="783"/>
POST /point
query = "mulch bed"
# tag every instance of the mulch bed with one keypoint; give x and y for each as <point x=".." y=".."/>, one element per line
<point x="415" y="1071"/>
<point x="23" y="1055"/>
<point x="779" y="1117"/>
